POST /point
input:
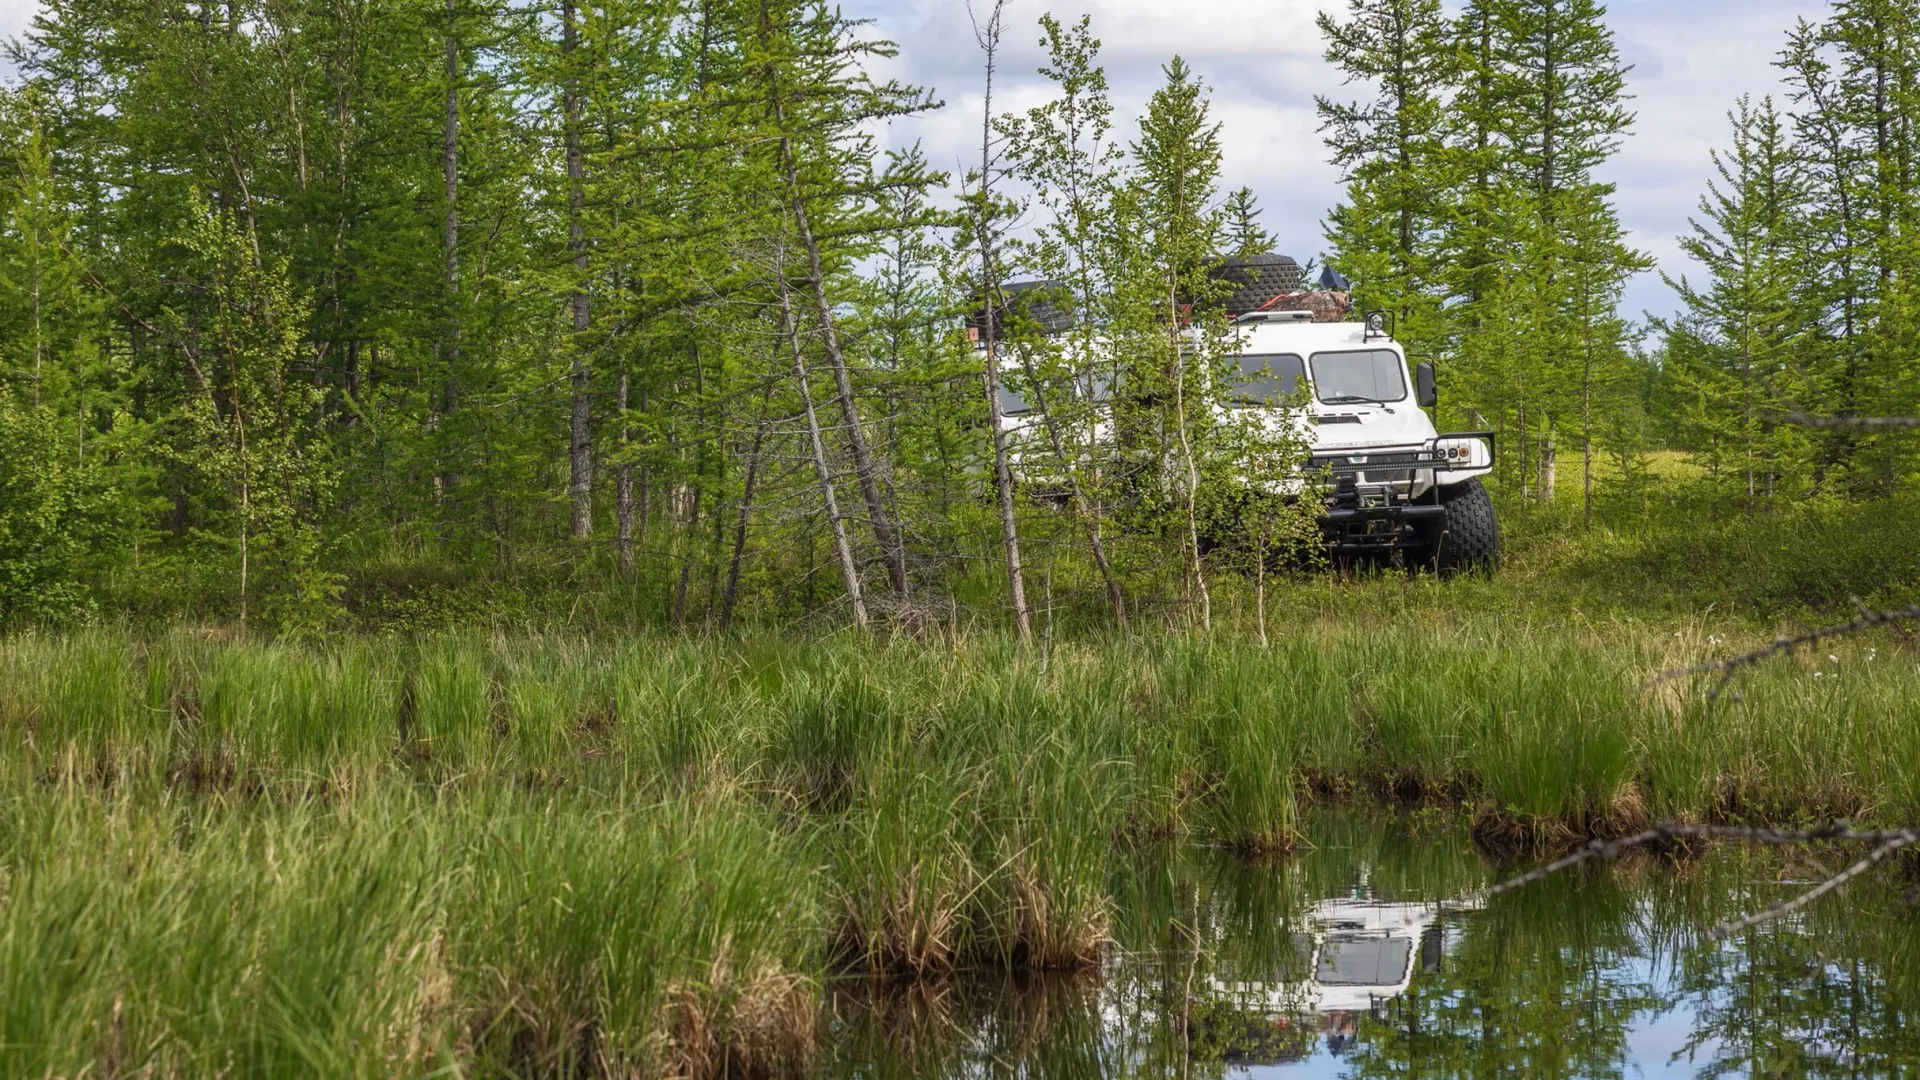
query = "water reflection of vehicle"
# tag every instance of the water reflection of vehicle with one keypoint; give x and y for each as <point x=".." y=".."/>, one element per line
<point x="1353" y="957"/>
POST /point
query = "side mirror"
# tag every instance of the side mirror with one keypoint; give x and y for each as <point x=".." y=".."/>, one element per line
<point x="1424" y="388"/>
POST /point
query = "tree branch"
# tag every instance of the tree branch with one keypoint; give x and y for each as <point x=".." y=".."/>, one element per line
<point x="1887" y="841"/>
<point x="1784" y="646"/>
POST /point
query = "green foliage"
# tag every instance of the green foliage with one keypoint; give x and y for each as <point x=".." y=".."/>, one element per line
<point x="1386" y="234"/>
<point x="54" y="516"/>
<point x="438" y="312"/>
<point x="1472" y="213"/>
<point x="1731" y="363"/>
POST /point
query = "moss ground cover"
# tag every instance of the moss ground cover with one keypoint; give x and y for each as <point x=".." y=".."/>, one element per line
<point x="521" y="854"/>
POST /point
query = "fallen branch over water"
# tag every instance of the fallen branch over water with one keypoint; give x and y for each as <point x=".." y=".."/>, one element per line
<point x="1886" y="841"/>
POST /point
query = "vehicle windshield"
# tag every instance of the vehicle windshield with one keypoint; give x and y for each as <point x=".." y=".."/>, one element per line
<point x="1363" y="961"/>
<point x="1363" y="375"/>
<point x="1012" y="404"/>
<point x="1268" y="379"/>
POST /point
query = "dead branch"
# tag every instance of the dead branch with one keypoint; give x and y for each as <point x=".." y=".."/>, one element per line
<point x="1886" y="841"/>
<point x="1783" y="646"/>
<point x="1785" y="907"/>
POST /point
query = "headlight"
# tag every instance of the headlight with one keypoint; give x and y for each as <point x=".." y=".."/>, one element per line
<point x="1465" y="453"/>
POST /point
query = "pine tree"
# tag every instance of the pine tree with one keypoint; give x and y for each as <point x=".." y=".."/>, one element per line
<point x="1735" y="354"/>
<point x="1245" y="237"/>
<point x="1169" y="208"/>
<point x="1390" y="152"/>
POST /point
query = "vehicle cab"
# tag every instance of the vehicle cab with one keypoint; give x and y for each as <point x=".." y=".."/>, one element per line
<point x="1393" y="476"/>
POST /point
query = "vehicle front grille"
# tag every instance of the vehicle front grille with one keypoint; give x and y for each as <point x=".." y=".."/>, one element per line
<point x="1346" y="462"/>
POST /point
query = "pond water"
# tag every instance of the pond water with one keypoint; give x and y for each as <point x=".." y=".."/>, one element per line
<point x="1376" y="954"/>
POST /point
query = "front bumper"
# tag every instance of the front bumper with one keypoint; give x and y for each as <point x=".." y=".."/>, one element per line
<point x="1376" y="498"/>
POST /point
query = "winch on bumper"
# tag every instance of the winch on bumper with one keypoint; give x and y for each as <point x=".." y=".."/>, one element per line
<point x="1379" y="500"/>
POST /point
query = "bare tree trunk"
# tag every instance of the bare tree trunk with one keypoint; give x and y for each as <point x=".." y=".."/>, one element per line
<point x="865" y="468"/>
<point x="580" y="449"/>
<point x="645" y="482"/>
<point x="1003" y="487"/>
<point x="1260" y="583"/>
<point x="1186" y="453"/>
<point x="989" y="39"/>
<point x="450" y="243"/>
<point x="623" y="489"/>
<point x="1549" y="467"/>
<point x="732" y="594"/>
<point x="1116" y="597"/>
<point x="1522" y="424"/>
<point x="849" y="571"/>
<point x="689" y="547"/>
<point x="39" y="336"/>
<point x="246" y="485"/>
<point x="1586" y="434"/>
<point x="450" y="234"/>
<point x="1746" y="378"/>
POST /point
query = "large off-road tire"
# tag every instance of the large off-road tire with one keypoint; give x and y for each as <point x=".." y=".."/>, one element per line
<point x="1467" y="538"/>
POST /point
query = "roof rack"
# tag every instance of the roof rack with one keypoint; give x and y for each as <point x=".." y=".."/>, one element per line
<point x="1273" y="316"/>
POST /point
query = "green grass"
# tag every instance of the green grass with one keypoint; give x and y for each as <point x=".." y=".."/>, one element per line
<point x="543" y="855"/>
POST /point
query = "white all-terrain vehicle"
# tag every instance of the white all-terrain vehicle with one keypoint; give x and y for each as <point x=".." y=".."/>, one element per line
<point x="1393" y="483"/>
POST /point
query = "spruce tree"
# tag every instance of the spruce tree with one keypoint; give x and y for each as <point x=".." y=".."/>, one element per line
<point x="1385" y="232"/>
<point x="1736" y="354"/>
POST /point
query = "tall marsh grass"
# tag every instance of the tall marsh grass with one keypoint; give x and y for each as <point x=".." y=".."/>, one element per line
<point x="1169" y="737"/>
<point x="561" y="856"/>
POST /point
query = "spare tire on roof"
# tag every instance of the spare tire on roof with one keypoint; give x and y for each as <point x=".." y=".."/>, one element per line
<point x="1255" y="280"/>
<point x="1044" y="307"/>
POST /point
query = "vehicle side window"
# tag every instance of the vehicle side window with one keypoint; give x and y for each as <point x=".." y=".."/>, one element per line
<point x="1365" y="374"/>
<point x="1268" y="378"/>
<point x="1012" y="404"/>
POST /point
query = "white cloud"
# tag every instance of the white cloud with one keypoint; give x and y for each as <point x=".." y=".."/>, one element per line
<point x="15" y="15"/>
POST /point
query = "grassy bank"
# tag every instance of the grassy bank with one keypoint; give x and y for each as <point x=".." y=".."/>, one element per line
<point x="1177" y="735"/>
<point x="555" y="855"/>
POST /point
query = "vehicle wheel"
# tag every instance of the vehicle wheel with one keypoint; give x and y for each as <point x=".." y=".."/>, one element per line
<point x="1467" y="538"/>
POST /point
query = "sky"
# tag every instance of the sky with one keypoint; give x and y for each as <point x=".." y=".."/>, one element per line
<point x="1690" y="60"/>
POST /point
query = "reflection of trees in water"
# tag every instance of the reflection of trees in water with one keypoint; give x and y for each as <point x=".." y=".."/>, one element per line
<point x="1043" y="1026"/>
<point x="1833" y="992"/>
<point x="1534" y="986"/>
<point x="1547" y="981"/>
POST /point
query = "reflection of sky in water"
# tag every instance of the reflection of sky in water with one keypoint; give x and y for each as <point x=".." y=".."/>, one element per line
<point x="1657" y="1042"/>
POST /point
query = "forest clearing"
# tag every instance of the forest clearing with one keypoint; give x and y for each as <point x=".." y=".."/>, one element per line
<point x="559" y="539"/>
